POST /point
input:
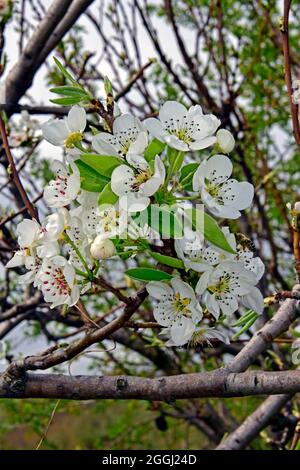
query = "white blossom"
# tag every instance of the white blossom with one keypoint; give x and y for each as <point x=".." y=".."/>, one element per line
<point x="205" y="334"/>
<point x="64" y="188"/>
<point x="129" y="139"/>
<point x="113" y="222"/>
<point x="223" y="196"/>
<point x="68" y="131"/>
<point x="58" y="285"/>
<point x="177" y="309"/>
<point x="221" y="289"/>
<point x="183" y="129"/>
<point x="31" y="234"/>
<point x="135" y="186"/>
<point x="88" y="212"/>
<point x="78" y="237"/>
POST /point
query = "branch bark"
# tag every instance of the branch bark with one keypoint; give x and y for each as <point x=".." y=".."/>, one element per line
<point x="255" y="423"/>
<point x="281" y="321"/>
<point x="218" y="383"/>
<point x="60" y="17"/>
<point x="259" y="419"/>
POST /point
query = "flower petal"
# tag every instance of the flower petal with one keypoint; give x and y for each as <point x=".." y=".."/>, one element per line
<point x="254" y="300"/>
<point x="76" y="119"/>
<point x="121" y="180"/>
<point x="100" y="144"/>
<point x="155" y="127"/>
<point x="182" y="330"/>
<point x="172" y="109"/>
<point x="55" y="131"/>
<point x="160" y="290"/>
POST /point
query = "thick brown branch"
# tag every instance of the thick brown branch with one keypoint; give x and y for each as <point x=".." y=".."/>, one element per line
<point x="207" y="384"/>
<point x="59" y="19"/>
<point x="257" y="421"/>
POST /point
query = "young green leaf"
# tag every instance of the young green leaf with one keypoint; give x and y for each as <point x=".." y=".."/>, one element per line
<point x="154" y="148"/>
<point x="167" y="260"/>
<point x="64" y="71"/>
<point x="68" y="91"/>
<point x="68" y="101"/>
<point x="107" y="196"/>
<point x="103" y="164"/>
<point x="148" y="274"/>
<point x="186" y="175"/>
<point x="246" y="326"/>
<point x="162" y="220"/>
<point x="90" y="179"/>
<point x="209" y="228"/>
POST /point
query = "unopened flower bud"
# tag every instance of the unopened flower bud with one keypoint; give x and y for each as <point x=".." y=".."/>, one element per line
<point x="225" y="141"/>
<point x="297" y="206"/>
<point x="102" y="248"/>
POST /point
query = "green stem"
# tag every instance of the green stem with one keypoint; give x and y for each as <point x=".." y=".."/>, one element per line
<point x="84" y="263"/>
<point x="81" y="273"/>
<point x="184" y="180"/>
<point x="172" y="171"/>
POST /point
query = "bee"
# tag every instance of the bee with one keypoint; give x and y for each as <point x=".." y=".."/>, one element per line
<point x="244" y="243"/>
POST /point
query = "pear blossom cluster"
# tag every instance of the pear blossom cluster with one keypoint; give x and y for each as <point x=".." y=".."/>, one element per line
<point x="106" y="180"/>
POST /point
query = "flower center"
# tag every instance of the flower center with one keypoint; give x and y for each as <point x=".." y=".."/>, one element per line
<point x="184" y="135"/>
<point x="141" y="178"/>
<point x="221" y="287"/>
<point x="183" y="128"/>
<point x="181" y="304"/>
<point x="57" y="282"/>
<point x="213" y="189"/>
<point x="110" y="220"/>
<point x="73" y="139"/>
<point x="123" y="139"/>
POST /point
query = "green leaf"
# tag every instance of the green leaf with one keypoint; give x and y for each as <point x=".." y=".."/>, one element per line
<point x="108" y="86"/>
<point x="148" y="274"/>
<point x="154" y="148"/>
<point x="171" y="154"/>
<point x="90" y="179"/>
<point x="175" y="158"/>
<point x="107" y="196"/>
<point x="186" y="175"/>
<point x="244" y="318"/>
<point x="70" y="101"/>
<point x="162" y="220"/>
<point x="247" y="325"/>
<point x="64" y="71"/>
<point x="103" y="164"/>
<point x="68" y="91"/>
<point x="167" y="260"/>
<point x="209" y="228"/>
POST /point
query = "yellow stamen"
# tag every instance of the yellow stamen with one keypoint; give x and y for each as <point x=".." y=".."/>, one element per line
<point x="73" y="139"/>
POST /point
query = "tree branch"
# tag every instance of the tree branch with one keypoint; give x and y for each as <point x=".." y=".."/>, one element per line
<point x="252" y="425"/>
<point x="281" y="321"/>
<point x="218" y="383"/>
<point x="60" y="17"/>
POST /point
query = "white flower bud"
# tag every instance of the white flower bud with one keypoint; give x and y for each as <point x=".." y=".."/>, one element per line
<point x="102" y="248"/>
<point x="297" y="206"/>
<point x="225" y="140"/>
